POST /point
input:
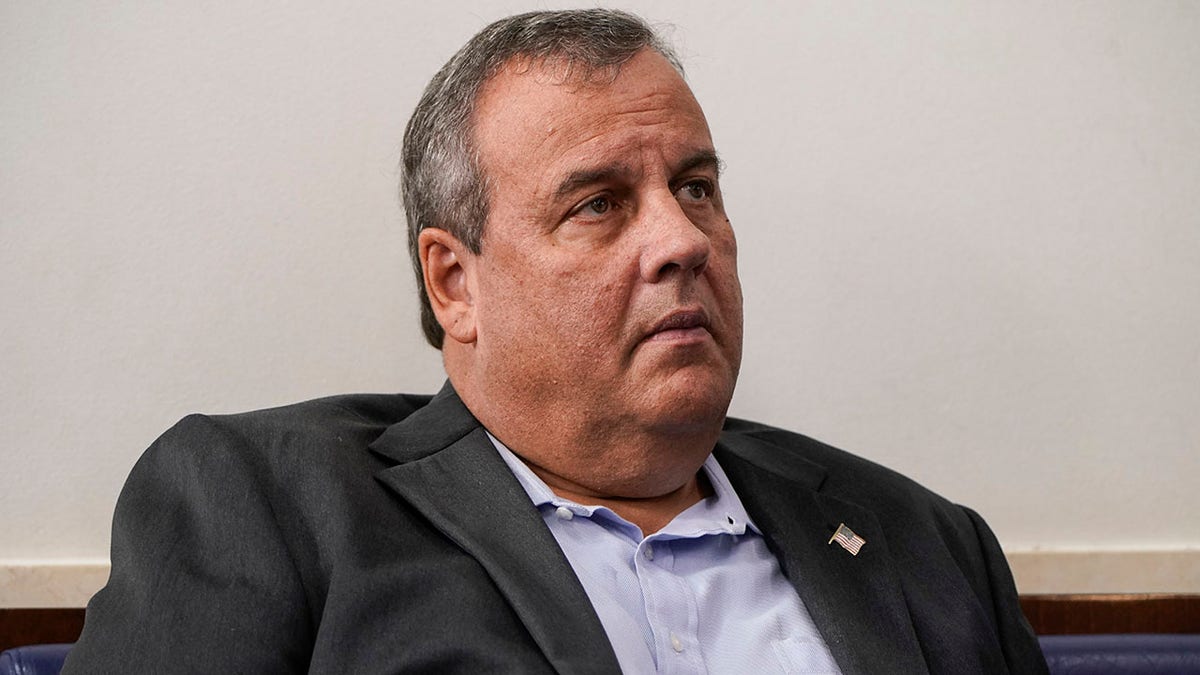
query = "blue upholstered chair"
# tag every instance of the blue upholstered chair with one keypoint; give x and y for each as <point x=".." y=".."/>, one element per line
<point x="34" y="660"/>
<point x="1066" y="654"/>
<point x="1122" y="654"/>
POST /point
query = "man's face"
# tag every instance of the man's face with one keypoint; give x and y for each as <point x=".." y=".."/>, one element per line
<point x="606" y="293"/>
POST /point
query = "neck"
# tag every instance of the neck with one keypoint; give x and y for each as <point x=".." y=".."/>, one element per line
<point x="650" y="514"/>
<point x="645" y="471"/>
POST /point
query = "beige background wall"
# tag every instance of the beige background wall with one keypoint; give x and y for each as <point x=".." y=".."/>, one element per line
<point x="970" y="243"/>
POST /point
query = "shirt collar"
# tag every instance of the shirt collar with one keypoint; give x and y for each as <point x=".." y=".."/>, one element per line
<point x="722" y="512"/>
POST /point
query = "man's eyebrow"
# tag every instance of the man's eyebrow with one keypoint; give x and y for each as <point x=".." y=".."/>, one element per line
<point x="704" y="159"/>
<point x="604" y="174"/>
<point x="585" y="177"/>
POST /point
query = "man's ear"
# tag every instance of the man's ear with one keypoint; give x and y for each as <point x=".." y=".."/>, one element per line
<point x="448" y="266"/>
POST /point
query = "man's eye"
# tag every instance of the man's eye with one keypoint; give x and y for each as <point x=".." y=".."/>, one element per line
<point x="597" y="207"/>
<point x="695" y="191"/>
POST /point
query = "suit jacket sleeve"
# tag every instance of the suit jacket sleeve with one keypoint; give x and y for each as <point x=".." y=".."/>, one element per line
<point x="1017" y="639"/>
<point x="201" y="579"/>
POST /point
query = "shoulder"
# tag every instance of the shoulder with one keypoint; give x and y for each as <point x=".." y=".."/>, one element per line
<point x="894" y="497"/>
<point x="946" y="559"/>
<point x="917" y="523"/>
<point x="325" y="434"/>
<point x="307" y="422"/>
<point x="318" y="415"/>
<point x="839" y="471"/>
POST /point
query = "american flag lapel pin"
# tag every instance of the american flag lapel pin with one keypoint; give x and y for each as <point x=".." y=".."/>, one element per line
<point x="848" y="540"/>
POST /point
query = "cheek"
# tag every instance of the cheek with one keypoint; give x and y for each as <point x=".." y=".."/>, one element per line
<point x="555" y="304"/>
<point x="723" y="266"/>
<point x="590" y="309"/>
<point x="723" y="278"/>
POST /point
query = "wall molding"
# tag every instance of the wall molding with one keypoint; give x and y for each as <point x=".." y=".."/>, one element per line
<point x="1041" y="572"/>
<point x="51" y="584"/>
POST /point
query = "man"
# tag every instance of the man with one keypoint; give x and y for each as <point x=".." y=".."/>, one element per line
<point x="574" y="500"/>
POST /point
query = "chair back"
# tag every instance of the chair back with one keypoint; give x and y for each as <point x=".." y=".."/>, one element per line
<point x="34" y="660"/>
<point x="1122" y="654"/>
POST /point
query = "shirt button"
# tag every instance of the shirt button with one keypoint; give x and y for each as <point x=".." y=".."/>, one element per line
<point x="676" y="643"/>
<point x="564" y="513"/>
<point x="648" y="552"/>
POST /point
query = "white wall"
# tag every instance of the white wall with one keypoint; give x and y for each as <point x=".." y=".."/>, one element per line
<point x="970" y="239"/>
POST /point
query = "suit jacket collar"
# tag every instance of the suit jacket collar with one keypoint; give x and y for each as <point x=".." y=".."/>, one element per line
<point x="856" y="601"/>
<point x="448" y="470"/>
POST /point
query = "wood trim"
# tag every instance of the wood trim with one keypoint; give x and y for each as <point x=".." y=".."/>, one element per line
<point x="1125" y="613"/>
<point x="19" y="627"/>
<point x="1049" y="614"/>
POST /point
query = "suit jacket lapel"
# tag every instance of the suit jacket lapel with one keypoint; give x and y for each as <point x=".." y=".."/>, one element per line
<point x="452" y="474"/>
<point x="856" y="601"/>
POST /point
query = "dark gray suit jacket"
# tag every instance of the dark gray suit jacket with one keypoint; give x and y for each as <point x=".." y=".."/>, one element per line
<point x="384" y="534"/>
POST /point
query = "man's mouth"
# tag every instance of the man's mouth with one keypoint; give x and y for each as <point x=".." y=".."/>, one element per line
<point x="682" y="325"/>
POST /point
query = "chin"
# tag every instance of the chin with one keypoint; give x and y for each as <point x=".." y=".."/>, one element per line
<point x="690" y="404"/>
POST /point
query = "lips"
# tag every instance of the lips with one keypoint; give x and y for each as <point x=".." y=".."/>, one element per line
<point x="681" y="324"/>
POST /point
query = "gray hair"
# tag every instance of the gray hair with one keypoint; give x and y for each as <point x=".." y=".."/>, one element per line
<point x="441" y="184"/>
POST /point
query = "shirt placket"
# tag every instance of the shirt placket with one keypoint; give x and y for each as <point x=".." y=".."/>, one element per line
<point x="671" y="608"/>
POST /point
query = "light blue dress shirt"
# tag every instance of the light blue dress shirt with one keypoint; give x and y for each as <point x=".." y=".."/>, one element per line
<point x="702" y="595"/>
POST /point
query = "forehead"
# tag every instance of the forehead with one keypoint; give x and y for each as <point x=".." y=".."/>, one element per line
<point x="531" y="120"/>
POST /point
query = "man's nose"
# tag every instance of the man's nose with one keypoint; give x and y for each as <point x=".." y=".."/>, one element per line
<point x="674" y="244"/>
